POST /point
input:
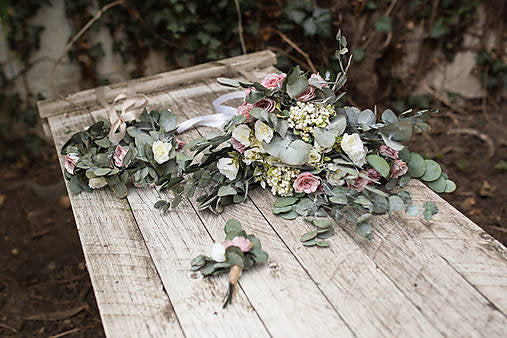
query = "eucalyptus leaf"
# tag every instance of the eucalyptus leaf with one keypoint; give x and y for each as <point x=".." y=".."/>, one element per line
<point x="379" y="164"/>
<point x="308" y="236"/>
<point x="292" y="214"/>
<point x="226" y="191"/>
<point x="395" y="204"/>
<point x="167" y="120"/>
<point x="432" y="172"/>
<point x="280" y="210"/>
<point x="438" y="185"/>
<point x="282" y="201"/>
<point x="416" y="166"/>
<point x="450" y="186"/>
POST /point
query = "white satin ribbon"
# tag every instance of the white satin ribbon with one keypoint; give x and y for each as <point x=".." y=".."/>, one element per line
<point x="224" y="114"/>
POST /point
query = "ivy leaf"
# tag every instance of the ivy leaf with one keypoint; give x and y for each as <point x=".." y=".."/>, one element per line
<point x="384" y="25"/>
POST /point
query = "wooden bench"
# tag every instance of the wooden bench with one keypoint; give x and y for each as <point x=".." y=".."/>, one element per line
<point x="446" y="277"/>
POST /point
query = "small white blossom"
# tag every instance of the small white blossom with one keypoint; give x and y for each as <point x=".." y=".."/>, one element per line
<point x="354" y="148"/>
<point x="242" y="134"/>
<point x="314" y="156"/>
<point x="217" y="252"/>
<point x="97" y="182"/>
<point x="305" y="117"/>
<point x="228" y="167"/>
<point x="281" y="179"/>
<point x="161" y="151"/>
<point x="263" y="132"/>
<point x="252" y="155"/>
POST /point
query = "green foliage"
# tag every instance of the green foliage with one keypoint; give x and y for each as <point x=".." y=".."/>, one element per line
<point x="493" y="70"/>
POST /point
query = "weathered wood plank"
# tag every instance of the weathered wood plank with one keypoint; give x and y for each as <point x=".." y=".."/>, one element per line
<point x="148" y="85"/>
<point x="474" y="254"/>
<point x="128" y="290"/>
<point x="365" y="298"/>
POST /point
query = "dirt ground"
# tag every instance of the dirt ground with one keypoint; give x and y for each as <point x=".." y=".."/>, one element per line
<point x="45" y="289"/>
<point x="44" y="286"/>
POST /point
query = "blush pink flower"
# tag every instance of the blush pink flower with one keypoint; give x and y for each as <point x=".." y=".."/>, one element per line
<point x="399" y="168"/>
<point x="307" y="95"/>
<point x="358" y="183"/>
<point x="70" y="162"/>
<point x="268" y="104"/>
<point x="119" y="155"/>
<point x="244" y="110"/>
<point x="238" y="146"/>
<point x="374" y="175"/>
<point x="318" y="78"/>
<point x="388" y="152"/>
<point x="241" y="242"/>
<point x="179" y="144"/>
<point x="274" y="80"/>
<point x="306" y="182"/>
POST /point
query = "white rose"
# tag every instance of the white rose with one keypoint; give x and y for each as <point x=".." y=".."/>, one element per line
<point x="251" y="155"/>
<point x="161" y="151"/>
<point x="263" y="132"/>
<point x="354" y="148"/>
<point x="97" y="182"/>
<point x="217" y="252"/>
<point x="242" y="134"/>
<point x="314" y="156"/>
<point x="228" y="167"/>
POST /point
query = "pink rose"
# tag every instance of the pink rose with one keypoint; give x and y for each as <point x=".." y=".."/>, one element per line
<point x="274" y="80"/>
<point x="398" y="169"/>
<point x="374" y="175"/>
<point x="307" y="95"/>
<point x="238" y="146"/>
<point x="268" y="104"/>
<point x="241" y="242"/>
<point x="358" y="183"/>
<point x="70" y="162"/>
<point x="388" y="152"/>
<point x="119" y="155"/>
<point x="319" y="79"/>
<point x="306" y="182"/>
<point x="244" y="110"/>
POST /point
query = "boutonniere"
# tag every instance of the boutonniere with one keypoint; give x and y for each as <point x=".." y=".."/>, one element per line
<point x="237" y="253"/>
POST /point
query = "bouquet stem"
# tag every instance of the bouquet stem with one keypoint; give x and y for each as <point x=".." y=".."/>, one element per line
<point x="234" y="274"/>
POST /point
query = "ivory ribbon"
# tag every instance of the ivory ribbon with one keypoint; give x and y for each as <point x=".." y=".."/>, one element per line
<point x="224" y="114"/>
<point x="131" y="109"/>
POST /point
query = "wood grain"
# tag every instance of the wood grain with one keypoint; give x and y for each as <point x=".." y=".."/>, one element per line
<point x="128" y="290"/>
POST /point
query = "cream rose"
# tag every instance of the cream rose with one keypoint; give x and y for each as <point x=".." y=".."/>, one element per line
<point x="242" y="134"/>
<point x="263" y="132"/>
<point x="97" y="182"/>
<point x="354" y="148"/>
<point x="228" y="167"/>
<point x="161" y="151"/>
<point x="217" y="252"/>
<point x="314" y="156"/>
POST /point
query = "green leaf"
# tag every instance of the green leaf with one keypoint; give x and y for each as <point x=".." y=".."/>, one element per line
<point x="413" y="210"/>
<point x="450" y="186"/>
<point x="326" y="234"/>
<point x="380" y="204"/>
<point x="339" y="199"/>
<point x="325" y="138"/>
<point x="322" y="223"/>
<point x="101" y="171"/>
<point x="379" y="164"/>
<point x="363" y="218"/>
<point x="120" y="190"/>
<point x="198" y="262"/>
<point x="296" y="82"/>
<point x="430" y="209"/>
<point x="74" y="185"/>
<point x="311" y="242"/>
<point x="389" y="117"/>
<point x="226" y="191"/>
<point x="308" y="236"/>
<point x="259" y="256"/>
<point x="432" y="172"/>
<point x="280" y="210"/>
<point x="384" y="24"/>
<point x="365" y="230"/>
<point x="282" y="201"/>
<point x="235" y="258"/>
<point x="296" y="153"/>
<point x="439" y="185"/>
<point x="404" y="154"/>
<point x="395" y="204"/>
<point x="366" y="118"/>
<point x="416" y="166"/>
<point x="232" y="225"/>
<point x="103" y="142"/>
<point x="292" y="214"/>
<point x="228" y="82"/>
<point x="167" y="120"/>
<point x="323" y="244"/>
<point x="159" y="204"/>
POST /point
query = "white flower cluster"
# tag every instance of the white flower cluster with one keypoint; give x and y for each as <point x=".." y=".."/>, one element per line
<point x="304" y="117"/>
<point x="280" y="179"/>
